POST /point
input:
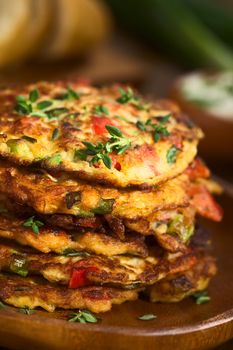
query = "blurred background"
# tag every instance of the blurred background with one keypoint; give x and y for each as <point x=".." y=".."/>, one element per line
<point x="182" y="49"/>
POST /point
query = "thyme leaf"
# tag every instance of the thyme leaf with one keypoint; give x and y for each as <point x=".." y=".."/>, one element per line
<point x="72" y="253"/>
<point x="147" y="317"/>
<point x="93" y="153"/>
<point x="55" y="134"/>
<point x="172" y="154"/>
<point x="159" y="129"/>
<point x="34" y="224"/>
<point x="100" y="110"/>
<point x="26" y="311"/>
<point x="29" y="139"/>
<point x="44" y="104"/>
<point x="34" y="95"/>
<point x="201" y="297"/>
<point x="83" y="316"/>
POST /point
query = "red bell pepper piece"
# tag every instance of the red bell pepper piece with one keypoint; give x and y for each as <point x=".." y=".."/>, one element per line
<point x="197" y="169"/>
<point x="79" y="277"/>
<point x="99" y="124"/>
<point x="204" y="203"/>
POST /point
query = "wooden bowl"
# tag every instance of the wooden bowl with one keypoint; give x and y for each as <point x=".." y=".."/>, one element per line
<point x="218" y="141"/>
<point x="178" y="326"/>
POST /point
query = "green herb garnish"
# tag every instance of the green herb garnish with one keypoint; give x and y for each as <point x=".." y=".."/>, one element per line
<point x="44" y="104"/>
<point x="105" y="206"/>
<point x="118" y="143"/>
<point x="55" y="134"/>
<point x="147" y="317"/>
<point x="29" y="139"/>
<point x="54" y="160"/>
<point x="2" y="306"/>
<point x="26" y="311"/>
<point x="83" y="316"/>
<point x="100" y="110"/>
<point x="70" y="94"/>
<point x="34" y="224"/>
<point x="23" y="106"/>
<point x="122" y="118"/>
<point x="172" y="154"/>
<point x="56" y="112"/>
<point x="39" y="114"/>
<point x="126" y="96"/>
<point x="72" y="253"/>
<point x="34" y="95"/>
<point x="201" y="297"/>
<point x="27" y="106"/>
<point x="159" y="129"/>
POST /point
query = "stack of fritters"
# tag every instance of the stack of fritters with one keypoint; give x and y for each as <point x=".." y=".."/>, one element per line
<point x="99" y="194"/>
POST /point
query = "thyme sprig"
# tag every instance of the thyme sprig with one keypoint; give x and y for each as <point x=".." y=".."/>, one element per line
<point x="30" y="105"/>
<point x="101" y="110"/>
<point x="83" y="316"/>
<point x="201" y="297"/>
<point x="93" y="153"/>
<point x="34" y="224"/>
<point x="26" y="311"/>
<point x="128" y="96"/>
<point x="159" y="129"/>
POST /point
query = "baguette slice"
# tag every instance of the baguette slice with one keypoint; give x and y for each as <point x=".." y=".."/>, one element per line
<point x="14" y="19"/>
<point x="77" y="25"/>
<point x="39" y="25"/>
<point x="23" y="27"/>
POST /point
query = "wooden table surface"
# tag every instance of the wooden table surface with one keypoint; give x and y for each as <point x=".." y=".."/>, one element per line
<point x="120" y="59"/>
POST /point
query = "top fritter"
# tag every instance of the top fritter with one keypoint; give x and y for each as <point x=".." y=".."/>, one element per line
<point x="108" y="135"/>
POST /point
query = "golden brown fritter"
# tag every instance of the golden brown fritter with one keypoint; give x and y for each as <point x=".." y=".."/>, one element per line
<point x="178" y="287"/>
<point x="94" y="206"/>
<point x="57" y="240"/>
<point x="60" y="195"/>
<point x="27" y="292"/>
<point x="82" y="270"/>
<point x="47" y="123"/>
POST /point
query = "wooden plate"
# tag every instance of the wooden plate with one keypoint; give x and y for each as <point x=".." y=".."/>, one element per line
<point x="180" y="326"/>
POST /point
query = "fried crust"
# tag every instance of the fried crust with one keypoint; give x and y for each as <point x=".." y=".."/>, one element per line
<point x="57" y="240"/>
<point x="143" y="164"/>
<point x="179" y="286"/>
<point x="26" y="292"/>
<point x="121" y="271"/>
<point x="49" y="195"/>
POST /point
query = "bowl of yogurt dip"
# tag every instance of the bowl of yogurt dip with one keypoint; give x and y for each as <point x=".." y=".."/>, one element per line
<point x="208" y="99"/>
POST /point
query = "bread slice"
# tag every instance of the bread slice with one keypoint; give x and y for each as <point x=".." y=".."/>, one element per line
<point x="23" y="26"/>
<point x="77" y="25"/>
<point x="14" y="19"/>
<point x="39" y="26"/>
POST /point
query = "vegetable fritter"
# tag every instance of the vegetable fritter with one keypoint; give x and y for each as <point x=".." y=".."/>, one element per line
<point x="78" y="270"/>
<point x="52" y="195"/>
<point x="181" y="285"/>
<point x="109" y="135"/>
<point x="32" y="293"/>
<point x="57" y="240"/>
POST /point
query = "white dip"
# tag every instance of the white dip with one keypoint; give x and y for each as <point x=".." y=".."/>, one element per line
<point x="212" y="93"/>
